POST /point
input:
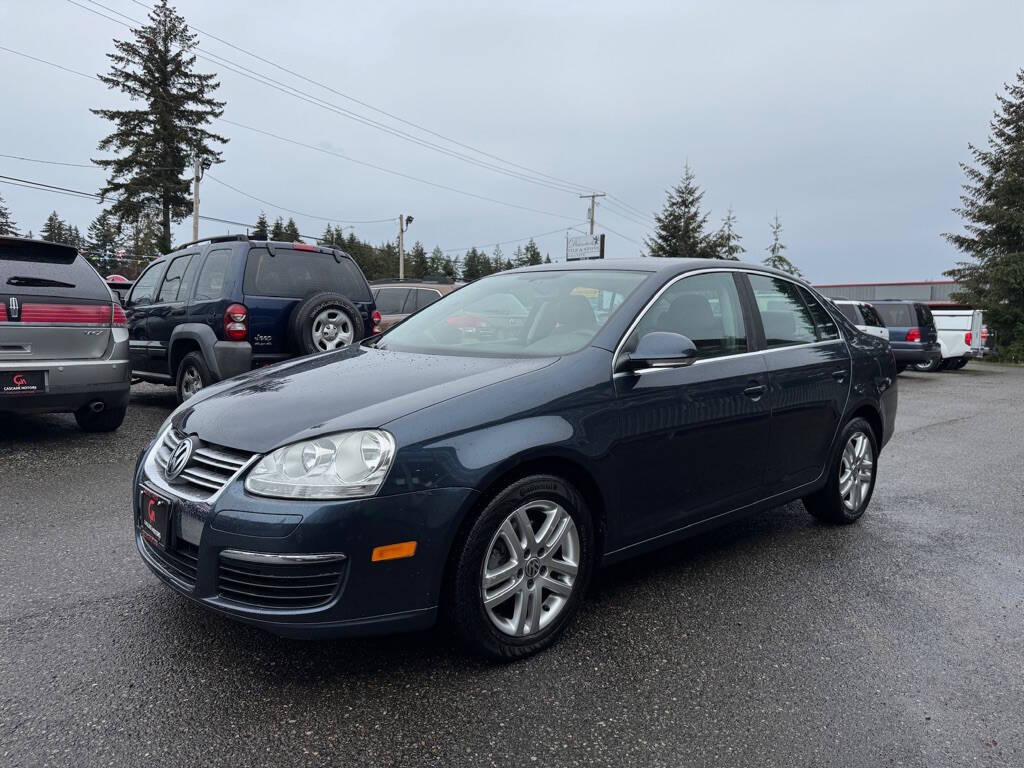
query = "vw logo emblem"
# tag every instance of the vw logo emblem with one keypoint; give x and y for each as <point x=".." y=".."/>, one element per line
<point x="532" y="568"/>
<point x="179" y="458"/>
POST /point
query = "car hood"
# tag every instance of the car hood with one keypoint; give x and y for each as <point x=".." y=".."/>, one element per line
<point x="355" y="388"/>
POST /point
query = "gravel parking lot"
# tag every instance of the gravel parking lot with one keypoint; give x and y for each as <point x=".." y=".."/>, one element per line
<point x="774" y="641"/>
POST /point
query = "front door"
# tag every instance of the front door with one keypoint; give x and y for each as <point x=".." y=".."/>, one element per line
<point x="693" y="439"/>
<point x="809" y="368"/>
<point x="168" y="311"/>
<point x="136" y="309"/>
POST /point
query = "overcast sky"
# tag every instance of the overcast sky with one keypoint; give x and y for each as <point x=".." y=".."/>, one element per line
<point x="848" y="118"/>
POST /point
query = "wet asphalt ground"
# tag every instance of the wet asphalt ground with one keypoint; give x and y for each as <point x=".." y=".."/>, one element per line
<point x="775" y="641"/>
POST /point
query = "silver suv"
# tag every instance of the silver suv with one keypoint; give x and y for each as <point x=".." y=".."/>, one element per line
<point x="63" y="336"/>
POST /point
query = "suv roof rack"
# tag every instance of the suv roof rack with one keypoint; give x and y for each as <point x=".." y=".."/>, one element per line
<point x="214" y="239"/>
<point x="437" y="279"/>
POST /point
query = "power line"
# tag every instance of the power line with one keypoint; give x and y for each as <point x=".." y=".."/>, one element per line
<point x="321" y="149"/>
<point x="309" y="98"/>
<point x="509" y="242"/>
<point x="49" y="162"/>
<point x="630" y="239"/>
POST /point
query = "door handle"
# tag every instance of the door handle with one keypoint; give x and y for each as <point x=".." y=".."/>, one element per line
<point x="839" y="376"/>
<point x="755" y="391"/>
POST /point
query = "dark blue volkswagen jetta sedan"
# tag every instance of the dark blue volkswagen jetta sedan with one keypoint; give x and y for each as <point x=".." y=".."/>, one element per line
<point x="481" y="459"/>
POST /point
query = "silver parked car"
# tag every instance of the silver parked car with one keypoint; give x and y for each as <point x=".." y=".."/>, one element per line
<point x="63" y="336"/>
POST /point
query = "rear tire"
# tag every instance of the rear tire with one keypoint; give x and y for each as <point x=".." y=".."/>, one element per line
<point x="106" y="420"/>
<point x="930" y="367"/>
<point x="510" y="593"/>
<point x="193" y="376"/>
<point x="851" y="476"/>
<point x="956" y="365"/>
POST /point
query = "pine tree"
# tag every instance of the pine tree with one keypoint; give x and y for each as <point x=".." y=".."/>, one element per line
<point x="260" y="232"/>
<point x="471" y="265"/>
<point x="531" y="254"/>
<point x="277" y="231"/>
<point x="54" y="229"/>
<point x="103" y="239"/>
<point x="992" y="207"/>
<point x="547" y="259"/>
<point x="727" y="239"/>
<point x="416" y="261"/>
<point x="291" y="232"/>
<point x="681" y="226"/>
<point x="435" y="262"/>
<point x="775" y="258"/>
<point x="7" y="225"/>
<point x="519" y="257"/>
<point x="327" y="238"/>
<point x="450" y="268"/>
<point x="145" y="237"/>
<point x="160" y="139"/>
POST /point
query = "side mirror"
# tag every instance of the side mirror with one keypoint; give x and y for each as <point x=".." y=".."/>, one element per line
<point x="661" y="349"/>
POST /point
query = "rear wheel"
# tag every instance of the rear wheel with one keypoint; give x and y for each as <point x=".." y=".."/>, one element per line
<point x="930" y="367"/>
<point x="520" y="573"/>
<point x="851" y="478"/>
<point x="193" y="376"/>
<point x="106" y="420"/>
<point x="956" y="365"/>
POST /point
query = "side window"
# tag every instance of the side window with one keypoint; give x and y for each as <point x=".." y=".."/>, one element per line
<point x="849" y="311"/>
<point x="425" y="297"/>
<point x="214" y="275"/>
<point x="823" y="322"/>
<point x="145" y="286"/>
<point x="785" y="317"/>
<point x="871" y="317"/>
<point x="172" y="280"/>
<point x="391" y="300"/>
<point x="704" y="308"/>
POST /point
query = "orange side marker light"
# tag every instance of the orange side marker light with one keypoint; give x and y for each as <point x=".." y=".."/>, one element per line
<point x="394" y="551"/>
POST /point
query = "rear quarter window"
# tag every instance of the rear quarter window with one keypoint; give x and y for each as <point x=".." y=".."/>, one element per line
<point x="871" y="317"/>
<point x="294" y="274"/>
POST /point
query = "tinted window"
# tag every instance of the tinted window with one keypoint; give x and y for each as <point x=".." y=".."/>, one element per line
<point x="294" y="274"/>
<point x="173" y="278"/>
<point x="41" y="276"/>
<point x="849" y="311"/>
<point x="823" y="322"/>
<point x="785" y="317"/>
<point x="425" y="297"/>
<point x="145" y="286"/>
<point x="924" y="315"/>
<point x="705" y="309"/>
<point x="390" y="301"/>
<point x="871" y="317"/>
<point x="214" y="276"/>
<point x="895" y="315"/>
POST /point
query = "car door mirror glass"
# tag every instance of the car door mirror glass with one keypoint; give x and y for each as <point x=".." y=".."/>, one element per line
<point x="661" y="349"/>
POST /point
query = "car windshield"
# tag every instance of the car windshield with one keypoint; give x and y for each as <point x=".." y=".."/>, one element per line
<point x="519" y="314"/>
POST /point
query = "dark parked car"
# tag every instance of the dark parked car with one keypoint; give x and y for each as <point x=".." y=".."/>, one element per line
<point x="912" y="332"/>
<point x="483" y="479"/>
<point x="226" y="305"/>
<point x="63" y="341"/>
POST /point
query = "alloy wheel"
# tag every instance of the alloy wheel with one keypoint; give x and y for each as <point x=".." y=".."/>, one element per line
<point x="332" y="329"/>
<point x="856" y="468"/>
<point x="191" y="382"/>
<point x="530" y="568"/>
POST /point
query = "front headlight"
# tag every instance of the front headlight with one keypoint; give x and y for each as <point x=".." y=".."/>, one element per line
<point x="342" y="466"/>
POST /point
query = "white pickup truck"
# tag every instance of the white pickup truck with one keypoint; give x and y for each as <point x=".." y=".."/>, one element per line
<point x="960" y="338"/>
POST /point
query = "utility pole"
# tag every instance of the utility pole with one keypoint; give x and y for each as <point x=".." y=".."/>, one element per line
<point x="197" y="170"/>
<point x="593" y="206"/>
<point x="403" y="224"/>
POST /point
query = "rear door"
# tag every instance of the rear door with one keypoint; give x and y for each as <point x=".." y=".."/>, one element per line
<point x="810" y="372"/>
<point x="169" y="309"/>
<point x="53" y="304"/>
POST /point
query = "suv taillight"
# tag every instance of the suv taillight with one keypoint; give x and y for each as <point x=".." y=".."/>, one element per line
<point x="375" y="318"/>
<point x="117" y="317"/>
<point x="968" y="337"/>
<point x="914" y="334"/>
<point x="236" y="323"/>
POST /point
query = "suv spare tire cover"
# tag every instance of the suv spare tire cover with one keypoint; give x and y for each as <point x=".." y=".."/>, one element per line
<point x="300" y="324"/>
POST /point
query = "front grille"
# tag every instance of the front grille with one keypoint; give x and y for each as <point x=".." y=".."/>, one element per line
<point x="280" y="586"/>
<point x="209" y="469"/>
<point x="180" y="561"/>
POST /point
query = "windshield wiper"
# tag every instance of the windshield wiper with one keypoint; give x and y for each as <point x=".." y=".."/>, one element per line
<point x="38" y="282"/>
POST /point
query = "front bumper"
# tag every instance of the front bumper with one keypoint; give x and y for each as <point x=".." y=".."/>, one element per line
<point x="369" y="597"/>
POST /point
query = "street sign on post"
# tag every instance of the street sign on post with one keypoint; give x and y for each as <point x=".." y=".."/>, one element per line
<point x="584" y="247"/>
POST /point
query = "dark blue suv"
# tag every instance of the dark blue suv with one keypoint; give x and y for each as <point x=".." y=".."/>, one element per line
<point x="219" y="307"/>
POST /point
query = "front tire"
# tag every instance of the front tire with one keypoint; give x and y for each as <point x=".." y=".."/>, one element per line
<point x="851" y="476"/>
<point x="521" y="570"/>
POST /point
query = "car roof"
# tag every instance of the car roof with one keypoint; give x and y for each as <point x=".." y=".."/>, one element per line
<point x="275" y="244"/>
<point x="653" y="264"/>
